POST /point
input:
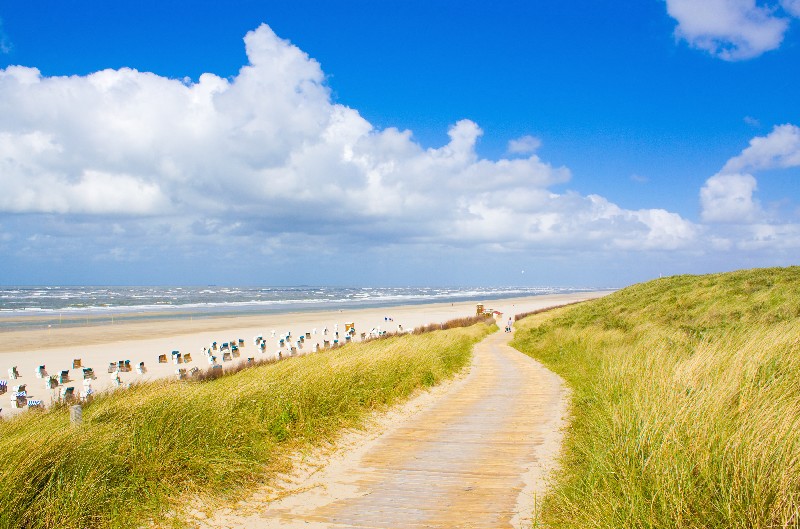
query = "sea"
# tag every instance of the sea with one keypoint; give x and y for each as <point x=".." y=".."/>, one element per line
<point x="30" y="306"/>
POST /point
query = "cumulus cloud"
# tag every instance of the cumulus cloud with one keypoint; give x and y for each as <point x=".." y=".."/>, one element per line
<point x="524" y="145"/>
<point x="780" y="149"/>
<point x="732" y="29"/>
<point x="266" y="159"/>
<point x="729" y="198"/>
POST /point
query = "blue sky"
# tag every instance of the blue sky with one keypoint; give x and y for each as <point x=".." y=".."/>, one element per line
<point x="396" y="142"/>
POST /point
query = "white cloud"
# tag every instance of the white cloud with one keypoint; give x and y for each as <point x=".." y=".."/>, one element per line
<point x="753" y="122"/>
<point x="731" y="29"/>
<point x="780" y="149"/>
<point x="792" y="7"/>
<point x="266" y="159"/>
<point x="5" y="42"/>
<point x="524" y="145"/>
<point x="729" y="198"/>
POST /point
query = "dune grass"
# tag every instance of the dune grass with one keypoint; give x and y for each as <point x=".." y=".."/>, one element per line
<point x="143" y="451"/>
<point x="686" y="403"/>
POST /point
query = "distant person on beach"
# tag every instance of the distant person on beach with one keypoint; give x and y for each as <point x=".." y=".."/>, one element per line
<point x="508" y="325"/>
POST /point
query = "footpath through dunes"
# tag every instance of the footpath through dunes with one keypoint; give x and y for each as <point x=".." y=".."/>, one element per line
<point x="474" y="456"/>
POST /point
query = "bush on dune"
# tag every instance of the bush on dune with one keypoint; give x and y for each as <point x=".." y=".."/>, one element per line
<point x="686" y="403"/>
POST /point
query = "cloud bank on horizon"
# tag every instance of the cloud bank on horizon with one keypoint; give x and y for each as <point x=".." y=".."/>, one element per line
<point x="127" y="164"/>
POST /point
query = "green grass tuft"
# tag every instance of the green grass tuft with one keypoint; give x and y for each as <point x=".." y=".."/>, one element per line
<point x="686" y="403"/>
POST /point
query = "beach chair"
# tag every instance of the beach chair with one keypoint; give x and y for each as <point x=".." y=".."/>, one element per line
<point x="346" y="338"/>
<point x="121" y="366"/>
<point x="302" y="338"/>
<point x="76" y="363"/>
<point x="263" y="346"/>
<point x="213" y="346"/>
<point x="67" y="394"/>
<point x="363" y="336"/>
<point x="141" y="369"/>
<point x="176" y="357"/>
<point x="3" y="386"/>
<point x="112" y="367"/>
<point x="115" y="380"/>
<point x="316" y="347"/>
<point x="194" y="371"/>
<point x="187" y="358"/>
<point x="51" y="383"/>
<point x="215" y="367"/>
<point x="326" y="343"/>
<point x="235" y="352"/>
<point x="18" y="400"/>
<point x="87" y="383"/>
<point x="212" y="360"/>
<point x="180" y="373"/>
<point x="299" y="344"/>
<point x="86" y="394"/>
<point x="63" y="377"/>
<point x="294" y="351"/>
<point x="308" y="336"/>
<point x="41" y="372"/>
<point x="226" y="357"/>
<point x="250" y="359"/>
<point x="162" y="359"/>
<point x="223" y="346"/>
<point x="241" y="342"/>
<point x="127" y="365"/>
<point x="33" y="403"/>
<point x="13" y="374"/>
<point x="88" y="373"/>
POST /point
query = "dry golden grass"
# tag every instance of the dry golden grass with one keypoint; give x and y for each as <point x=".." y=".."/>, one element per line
<point x="143" y="451"/>
<point x="686" y="403"/>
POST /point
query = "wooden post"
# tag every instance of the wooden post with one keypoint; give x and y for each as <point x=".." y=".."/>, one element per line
<point x="76" y="415"/>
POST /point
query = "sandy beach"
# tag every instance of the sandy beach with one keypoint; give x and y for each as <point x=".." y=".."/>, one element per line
<point x="97" y="346"/>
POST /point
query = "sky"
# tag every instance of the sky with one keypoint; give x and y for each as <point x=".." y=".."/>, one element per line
<point x="397" y="142"/>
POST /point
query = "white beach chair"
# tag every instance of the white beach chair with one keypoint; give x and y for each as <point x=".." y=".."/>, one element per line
<point x="67" y="394"/>
<point x="115" y="380"/>
<point x="180" y="373"/>
<point x="13" y="374"/>
<point x="141" y="369"/>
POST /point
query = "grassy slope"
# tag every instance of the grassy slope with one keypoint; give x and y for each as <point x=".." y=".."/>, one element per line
<point x="142" y="450"/>
<point x="686" y="405"/>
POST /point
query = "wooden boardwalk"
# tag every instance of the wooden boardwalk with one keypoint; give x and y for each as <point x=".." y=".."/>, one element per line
<point x="474" y="458"/>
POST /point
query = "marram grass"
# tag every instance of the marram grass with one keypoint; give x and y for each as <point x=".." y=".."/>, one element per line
<point x="144" y="451"/>
<point x="686" y="403"/>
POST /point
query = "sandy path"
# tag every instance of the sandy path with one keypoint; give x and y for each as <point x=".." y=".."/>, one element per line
<point x="475" y="455"/>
